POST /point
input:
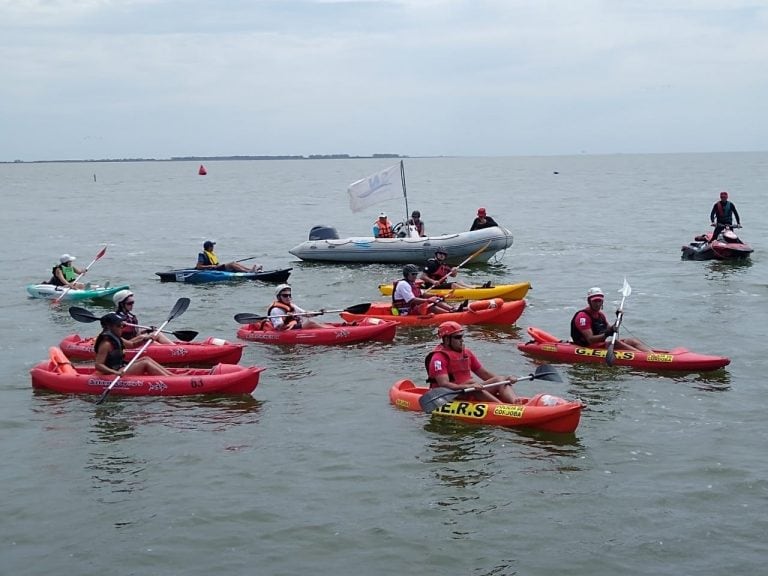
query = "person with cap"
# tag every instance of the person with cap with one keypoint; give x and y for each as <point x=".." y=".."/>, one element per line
<point x="437" y="271"/>
<point x="124" y="300"/>
<point x="285" y="315"/>
<point x="452" y="365"/>
<point x="482" y="221"/>
<point x="722" y="214"/>
<point x="408" y="299"/>
<point x="207" y="260"/>
<point x="417" y="223"/>
<point x="65" y="273"/>
<point x="382" y="227"/>
<point x="589" y="326"/>
<point x="110" y="348"/>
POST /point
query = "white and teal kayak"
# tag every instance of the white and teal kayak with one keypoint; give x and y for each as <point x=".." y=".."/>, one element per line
<point x="94" y="292"/>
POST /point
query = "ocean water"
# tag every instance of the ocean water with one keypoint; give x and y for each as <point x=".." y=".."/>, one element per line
<point x="316" y="472"/>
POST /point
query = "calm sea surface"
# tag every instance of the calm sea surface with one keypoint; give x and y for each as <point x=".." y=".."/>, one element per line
<point x="317" y="473"/>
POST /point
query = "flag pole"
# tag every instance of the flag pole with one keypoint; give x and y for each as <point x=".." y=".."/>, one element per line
<point x="405" y="194"/>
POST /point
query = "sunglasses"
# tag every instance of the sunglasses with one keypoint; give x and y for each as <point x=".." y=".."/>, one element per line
<point x="131" y="302"/>
<point x="286" y="295"/>
<point x="458" y="336"/>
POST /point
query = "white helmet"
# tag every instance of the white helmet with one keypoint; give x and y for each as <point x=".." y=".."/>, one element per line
<point x="281" y="288"/>
<point x="120" y="296"/>
<point x="594" y="292"/>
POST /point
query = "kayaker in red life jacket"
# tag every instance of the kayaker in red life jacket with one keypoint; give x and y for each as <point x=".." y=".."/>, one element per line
<point x="436" y="270"/>
<point x="124" y="300"/>
<point x="408" y="299"/>
<point x="283" y="312"/>
<point x="382" y="227"/>
<point x="589" y="327"/>
<point x="65" y="273"/>
<point x="451" y="365"/>
<point x="482" y="221"/>
<point x="207" y="260"/>
<point x="722" y="215"/>
<point x="109" y="348"/>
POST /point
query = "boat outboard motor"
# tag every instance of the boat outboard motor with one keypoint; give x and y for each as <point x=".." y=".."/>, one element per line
<point x="323" y="233"/>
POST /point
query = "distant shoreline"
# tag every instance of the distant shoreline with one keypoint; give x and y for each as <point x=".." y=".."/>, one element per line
<point x="210" y="158"/>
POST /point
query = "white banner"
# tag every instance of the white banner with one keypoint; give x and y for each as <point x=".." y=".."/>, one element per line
<point x="384" y="185"/>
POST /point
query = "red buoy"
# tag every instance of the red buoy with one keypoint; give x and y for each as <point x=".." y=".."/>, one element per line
<point x="202" y="171"/>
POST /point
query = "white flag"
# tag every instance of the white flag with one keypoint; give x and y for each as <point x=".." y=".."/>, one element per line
<point x="384" y="185"/>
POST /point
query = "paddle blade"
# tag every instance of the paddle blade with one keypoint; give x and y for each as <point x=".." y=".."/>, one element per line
<point x="248" y="318"/>
<point x="179" y="308"/>
<point x="626" y="289"/>
<point x="359" y="308"/>
<point x="100" y="254"/>
<point x="185" y="335"/>
<point x="82" y="315"/>
<point x="437" y="397"/>
<point x="546" y="372"/>
<point x="610" y="355"/>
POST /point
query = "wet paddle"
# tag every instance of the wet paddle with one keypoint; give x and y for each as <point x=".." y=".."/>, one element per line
<point x="464" y="262"/>
<point x="248" y="318"/>
<point x="64" y="293"/>
<point x="178" y="309"/>
<point x="437" y="397"/>
<point x="83" y="315"/>
<point x="610" y="356"/>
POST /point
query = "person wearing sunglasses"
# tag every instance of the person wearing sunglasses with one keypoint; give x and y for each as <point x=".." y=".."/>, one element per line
<point x="285" y="315"/>
<point x="110" y="348"/>
<point x="124" y="300"/>
<point x="452" y="365"/>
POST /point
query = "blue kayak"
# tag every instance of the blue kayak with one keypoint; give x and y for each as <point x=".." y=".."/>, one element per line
<point x="193" y="276"/>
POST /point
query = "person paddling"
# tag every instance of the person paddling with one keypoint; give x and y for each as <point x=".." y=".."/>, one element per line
<point x="283" y="313"/>
<point x="110" y="349"/>
<point x="589" y="327"/>
<point x="408" y="299"/>
<point x="124" y="300"/>
<point x="65" y="273"/>
<point x="207" y="260"/>
<point x="437" y="271"/>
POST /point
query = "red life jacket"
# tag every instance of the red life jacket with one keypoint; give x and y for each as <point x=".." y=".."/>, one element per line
<point x="402" y="306"/>
<point x="458" y="368"/>
<point x="287" y="309"/>
<point x="385" y="229"/>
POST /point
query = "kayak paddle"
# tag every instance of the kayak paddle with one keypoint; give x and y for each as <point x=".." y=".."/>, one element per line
<point x="249" y="318"/>
<point x="610" y="356"/>
<point x="178" y="309"/>
<point x="83" y="315"/>
<point x="437" y="397"/>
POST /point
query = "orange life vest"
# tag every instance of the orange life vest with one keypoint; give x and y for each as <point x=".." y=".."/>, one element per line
<point x="385" y="229"/>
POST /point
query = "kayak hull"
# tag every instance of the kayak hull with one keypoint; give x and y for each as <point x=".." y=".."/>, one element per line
<point x="546" y="346"/>
<point x="494" y="311"/>
<point x="192" y="276"/>
<point x="51" y="292"/>
<point x="507" y="292"/>
<point x="204" y="353"/>
<point x="368" y="249"/>
<point x="58" y="375"/>
<point x="369" y="329"/>
<point x="542" y="412"/>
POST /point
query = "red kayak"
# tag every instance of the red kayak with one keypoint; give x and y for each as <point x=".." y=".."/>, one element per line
<point x="544" y="345"/>
<point x="542" y="411"/>
<point x="206" y="352"/>
<point x="58" y="375"/>
<point x="494" y="311"/>
<point x="367" y="329"/>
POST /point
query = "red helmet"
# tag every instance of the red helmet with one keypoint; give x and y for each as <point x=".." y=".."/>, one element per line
<point x="448" y="328"/>
<point x="723" y="195"/>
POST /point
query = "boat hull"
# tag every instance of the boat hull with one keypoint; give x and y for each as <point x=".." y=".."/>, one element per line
<point x="370" y="329"/>
<point x="57" y="375"/>
<point x="507" y="292"/>
<point x="204" y="353"/>
<point x="704" y="249"/>
<point x="546" y="346"/>
<point x="542" y="412"/>
<point x="367" y="249"/>
<point x="192" y="276"/>
<point x="494" y="311"/>
<point x="51" y="292"/>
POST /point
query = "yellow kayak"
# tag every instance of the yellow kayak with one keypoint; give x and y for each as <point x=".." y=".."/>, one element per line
<point x="507" y="292"/>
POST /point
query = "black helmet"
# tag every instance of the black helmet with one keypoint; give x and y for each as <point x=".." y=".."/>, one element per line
<point x="410" y="269"/>
<point x="441" y="250"/>
<point x="111" y="319"/>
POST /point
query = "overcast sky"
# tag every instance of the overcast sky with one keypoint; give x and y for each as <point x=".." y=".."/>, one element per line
<point x="162" y="78"/>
